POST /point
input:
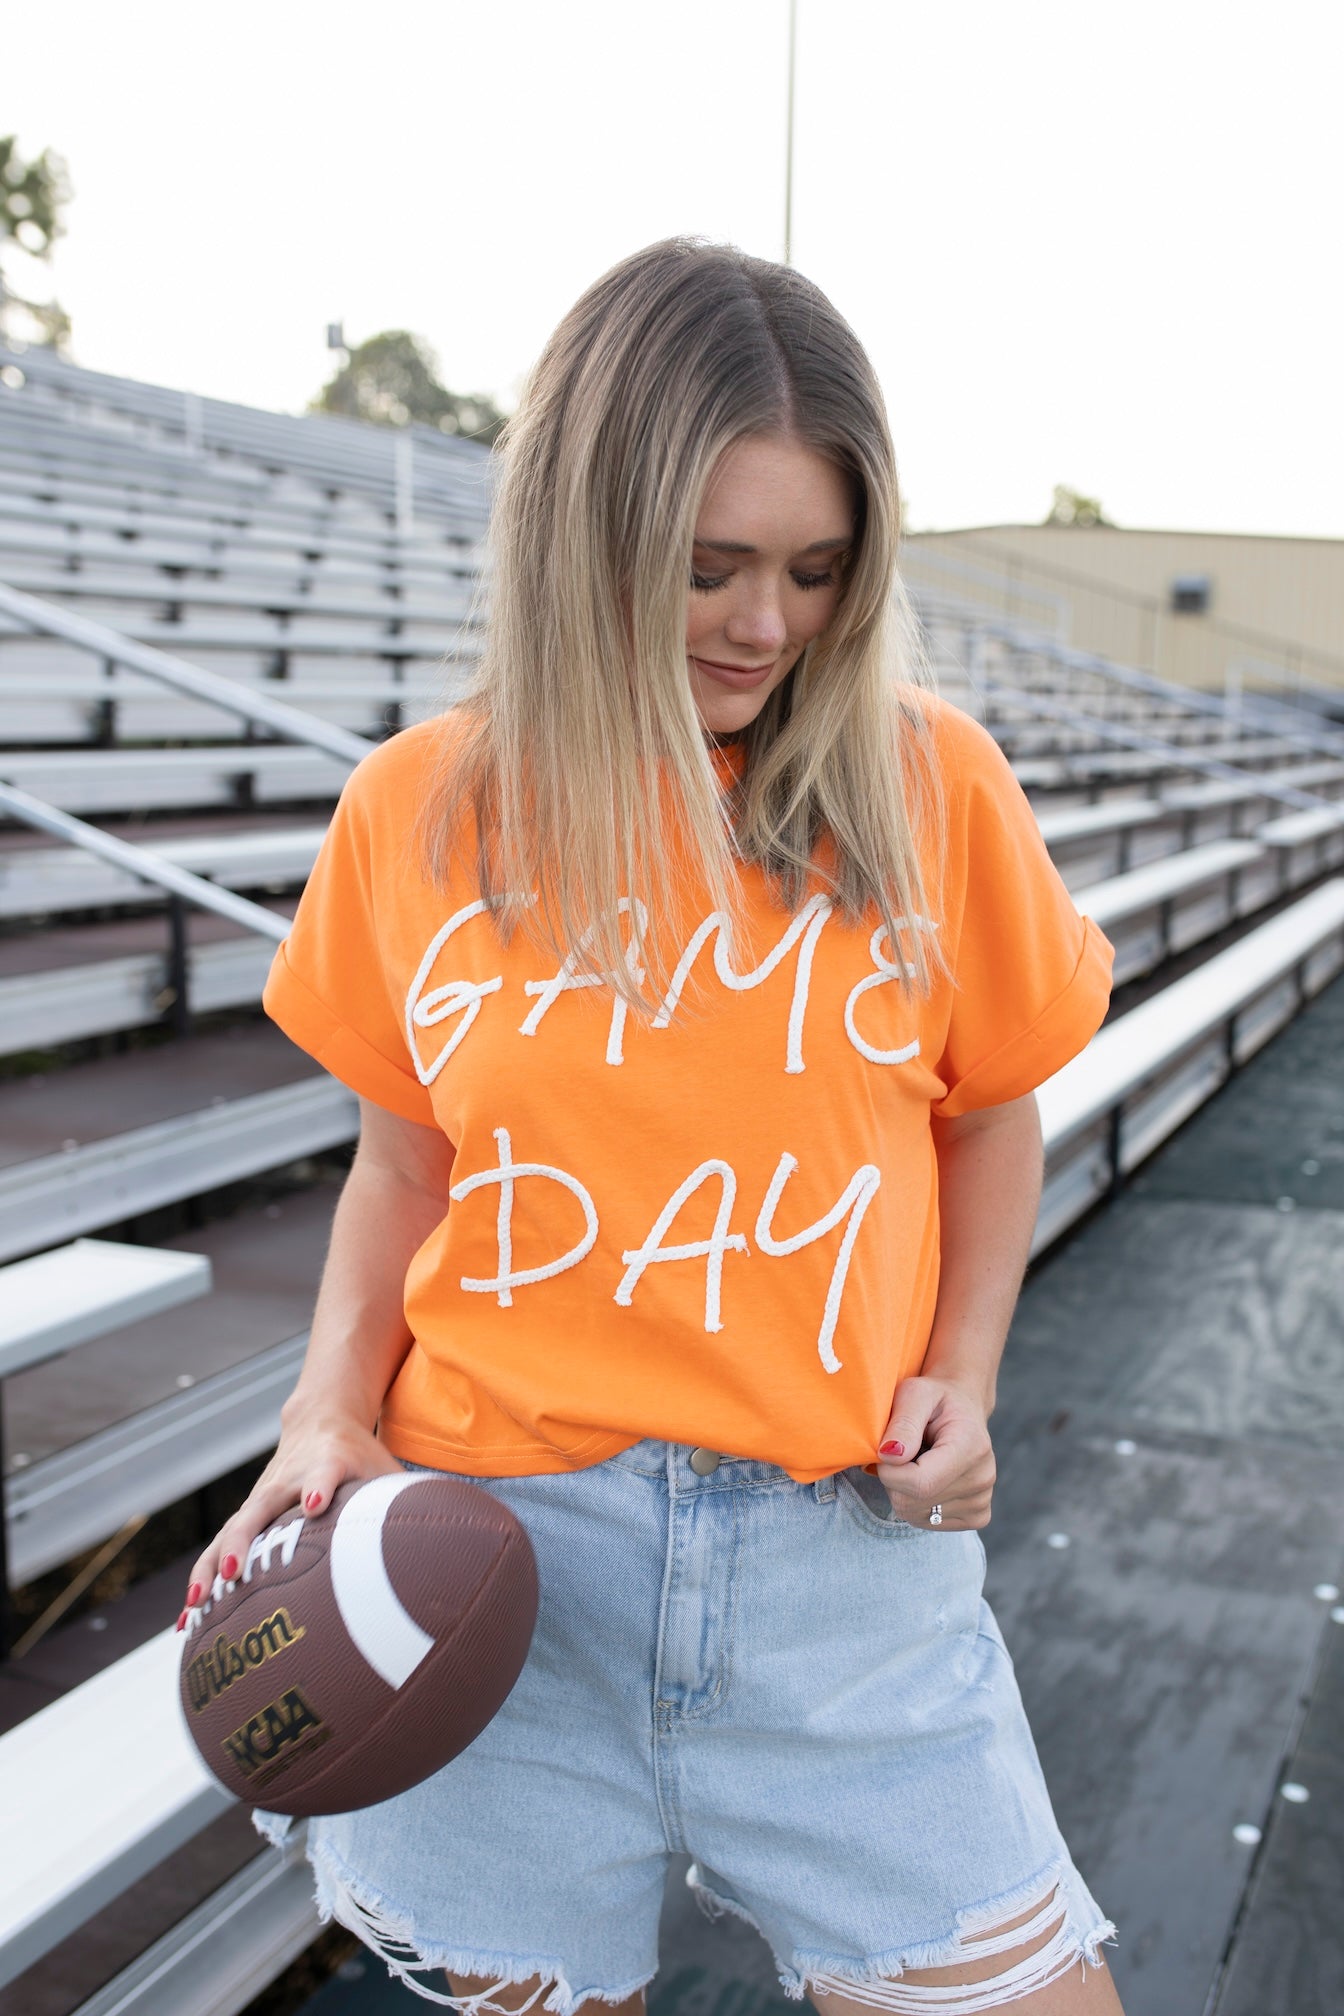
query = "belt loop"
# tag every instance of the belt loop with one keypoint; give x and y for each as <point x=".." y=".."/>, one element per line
<point x="824" y="1489"/>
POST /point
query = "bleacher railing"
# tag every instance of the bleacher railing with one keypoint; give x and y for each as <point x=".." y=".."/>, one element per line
<point x="47" y="619"/>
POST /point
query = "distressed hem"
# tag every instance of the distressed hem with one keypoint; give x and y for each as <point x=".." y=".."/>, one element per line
<point x="387" y="1930"/>
<point x="713" y="1904"/>
<point x="272" y="1827"/>
<point x="1059" y="1900"/>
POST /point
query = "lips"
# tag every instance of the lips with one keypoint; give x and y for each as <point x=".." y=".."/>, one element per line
<point x="734" y="675"/>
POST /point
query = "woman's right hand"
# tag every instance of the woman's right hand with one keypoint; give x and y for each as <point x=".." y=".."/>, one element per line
<point x="318" y="1451"/>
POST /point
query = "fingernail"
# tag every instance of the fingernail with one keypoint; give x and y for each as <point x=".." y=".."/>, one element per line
<point x="312" y="1501"/>
<point x="194" y="1595"/>
<point x="181" y="1620"/>
<point x="891" y="1449"/>
<point x="228" y="1567"/>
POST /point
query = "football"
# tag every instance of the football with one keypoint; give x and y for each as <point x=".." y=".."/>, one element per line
<point x="359" y="1651"/>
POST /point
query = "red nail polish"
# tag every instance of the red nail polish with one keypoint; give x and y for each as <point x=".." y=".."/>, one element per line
<point x="891" y="1449"/>
<point x="194" y="1595"/>
<point x="312" y="1501"/>
<point x="228" y="1567"/>
<point x="181" y="1620"/>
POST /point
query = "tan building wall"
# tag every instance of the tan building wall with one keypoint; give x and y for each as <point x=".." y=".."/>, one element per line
<point x="1275" y="605"/>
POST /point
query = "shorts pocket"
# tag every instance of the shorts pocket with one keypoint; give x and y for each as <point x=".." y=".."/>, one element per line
<point x="865" y="1499"/>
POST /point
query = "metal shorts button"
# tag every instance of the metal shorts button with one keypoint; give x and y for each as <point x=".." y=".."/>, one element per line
<point x="704" y="1462"/>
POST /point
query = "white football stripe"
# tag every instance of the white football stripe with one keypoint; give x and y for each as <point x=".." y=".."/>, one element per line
<point x="374" y="1615"/>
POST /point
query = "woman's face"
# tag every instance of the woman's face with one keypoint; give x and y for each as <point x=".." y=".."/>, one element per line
<point x="776" y="522"/>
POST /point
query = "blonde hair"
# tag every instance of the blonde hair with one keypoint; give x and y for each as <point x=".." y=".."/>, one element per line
<point x="579" y="737"/>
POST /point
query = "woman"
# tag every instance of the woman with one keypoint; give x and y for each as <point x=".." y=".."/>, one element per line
<point x="695" y="978"/>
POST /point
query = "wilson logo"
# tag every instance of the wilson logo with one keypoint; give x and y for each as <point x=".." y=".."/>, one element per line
<point x="273" y="1737"/>
<point x="215" y="1668"/>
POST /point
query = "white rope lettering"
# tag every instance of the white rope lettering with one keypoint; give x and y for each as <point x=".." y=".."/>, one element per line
<point x="887" y="969"/>
<point x="560" y="983"/>
<point x="711" y="1250"/>
<point x="455" y="997"/>
<point x="619" y="1008"/>
<point x="464" y="997"/>
<point x="506" y="1176"/>
<point x="858" y="1194"/>
<point x="549" y="991"/>
<point x="807" y="925"/>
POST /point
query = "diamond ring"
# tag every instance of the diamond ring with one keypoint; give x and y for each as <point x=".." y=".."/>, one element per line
<point x="936" y="1516"/>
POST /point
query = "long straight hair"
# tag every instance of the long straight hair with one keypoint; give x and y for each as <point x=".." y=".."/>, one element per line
<point x="578" y="763"/>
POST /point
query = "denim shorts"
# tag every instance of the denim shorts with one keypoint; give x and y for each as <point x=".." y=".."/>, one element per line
<point x="783" y="1681"/>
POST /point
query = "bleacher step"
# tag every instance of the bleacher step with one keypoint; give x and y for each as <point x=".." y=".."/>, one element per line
<point x="88" y="1834"/>
<point x="226" y="967"/>
<point x="59" y="1299"/>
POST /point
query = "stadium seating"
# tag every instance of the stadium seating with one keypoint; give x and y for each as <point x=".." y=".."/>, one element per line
<point x="163" y="555"/>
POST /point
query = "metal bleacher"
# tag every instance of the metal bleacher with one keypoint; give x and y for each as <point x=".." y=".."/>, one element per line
<point x="204" y="614"/>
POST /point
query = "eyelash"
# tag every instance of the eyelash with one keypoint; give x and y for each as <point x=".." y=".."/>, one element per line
<point x="707" y="583"/>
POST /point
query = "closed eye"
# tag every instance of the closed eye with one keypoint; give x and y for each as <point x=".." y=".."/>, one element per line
<point x="705" y="584"/>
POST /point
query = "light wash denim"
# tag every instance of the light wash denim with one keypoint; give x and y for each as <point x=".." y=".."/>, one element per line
<point x="806" y="1695"/>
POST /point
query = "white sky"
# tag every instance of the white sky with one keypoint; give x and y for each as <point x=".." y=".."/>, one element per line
<point x="1084" y="242"/>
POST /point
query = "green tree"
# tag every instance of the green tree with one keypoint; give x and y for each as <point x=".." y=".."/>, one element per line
<point x="393" y="379"/>
<point x="33" y="196"/>
<point x="1072" y="508"/>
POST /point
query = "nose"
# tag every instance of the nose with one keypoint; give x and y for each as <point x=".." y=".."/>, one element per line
<point x="757" y="623"/>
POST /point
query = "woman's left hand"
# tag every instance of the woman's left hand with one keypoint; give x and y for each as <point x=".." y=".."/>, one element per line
<point x="948" y="1459"/>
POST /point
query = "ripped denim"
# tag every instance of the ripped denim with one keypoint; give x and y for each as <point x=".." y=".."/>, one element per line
<point x="802" y="1693"/>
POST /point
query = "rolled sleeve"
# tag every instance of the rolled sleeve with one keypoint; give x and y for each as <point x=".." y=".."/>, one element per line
<point x="1032" y="975"/>
<point x="330" y="986"/>
<point x="314" y="1026"/>
<point x="1063" y="1028"/>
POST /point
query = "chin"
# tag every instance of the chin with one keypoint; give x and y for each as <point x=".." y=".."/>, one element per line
<point x="724" y="713"/>
<point x="729" y="716"/>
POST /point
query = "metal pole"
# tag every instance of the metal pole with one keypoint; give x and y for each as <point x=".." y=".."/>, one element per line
<point x="1232" y="690"/>
<point x="788" y="146"/>
<point x="405" y="482"/>
<point x="7" y="1632"/>
<point x="193" y="423"/>
<point x="179" y="957"/>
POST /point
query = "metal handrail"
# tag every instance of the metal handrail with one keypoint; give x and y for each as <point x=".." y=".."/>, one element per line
<point x="1192" y="698"/>
<point x="1001" y="581"/>
<point x="451" y="473"/>
<point x="142" y="862"/>
<point x="290" y="723"/>
<point x="1233" y="690"/>
<point x="1187" y="758"/>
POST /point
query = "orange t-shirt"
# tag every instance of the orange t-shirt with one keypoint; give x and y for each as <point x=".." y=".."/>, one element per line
<point x="721" y="1231"/>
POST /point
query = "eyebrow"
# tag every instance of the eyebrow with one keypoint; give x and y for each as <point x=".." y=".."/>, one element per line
<point x="733" y="546"/>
